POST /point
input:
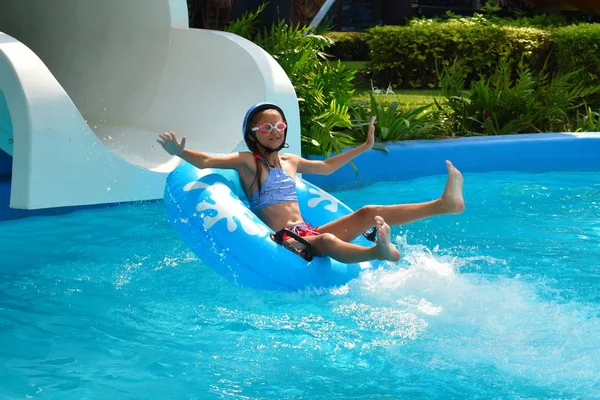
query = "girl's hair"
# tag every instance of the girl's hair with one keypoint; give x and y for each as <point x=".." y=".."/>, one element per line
<point x="251" y="140"/>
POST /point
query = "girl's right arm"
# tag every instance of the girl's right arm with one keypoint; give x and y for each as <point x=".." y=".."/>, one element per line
<point x="198" y="159"/>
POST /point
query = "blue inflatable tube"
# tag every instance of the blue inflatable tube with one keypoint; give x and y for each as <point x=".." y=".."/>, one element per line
<point x="209" y="209"/>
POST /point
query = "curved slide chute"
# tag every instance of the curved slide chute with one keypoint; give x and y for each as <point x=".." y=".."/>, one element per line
<point x="89" y="85"/>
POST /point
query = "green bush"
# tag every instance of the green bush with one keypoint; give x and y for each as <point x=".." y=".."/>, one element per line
<point x="542" y="21"/>
<point x="489" y="14"/>
<point x="406" y="56"/>
<point x="349" y="46"/>
<point x="578" y="48"/>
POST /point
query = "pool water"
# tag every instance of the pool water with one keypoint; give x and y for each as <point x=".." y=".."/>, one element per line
<point x="499" y="302"/>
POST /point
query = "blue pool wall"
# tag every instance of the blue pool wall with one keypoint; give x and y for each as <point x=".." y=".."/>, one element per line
<point x="5" y="165"/>
<point x="533" y="153"/>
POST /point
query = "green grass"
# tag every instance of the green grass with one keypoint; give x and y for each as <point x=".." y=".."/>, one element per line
<point x="405" y="97"/>
<point x="357" y="65"/>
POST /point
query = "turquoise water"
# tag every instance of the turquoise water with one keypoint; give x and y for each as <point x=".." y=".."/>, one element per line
<point x="500" y="302"/>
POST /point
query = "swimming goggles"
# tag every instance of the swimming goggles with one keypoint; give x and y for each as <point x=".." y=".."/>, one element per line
<point x="268" y="128"/>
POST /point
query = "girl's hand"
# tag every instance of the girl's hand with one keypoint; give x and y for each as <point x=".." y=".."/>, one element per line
<point x="371" y="134"/>
<point x="169" y="142"/>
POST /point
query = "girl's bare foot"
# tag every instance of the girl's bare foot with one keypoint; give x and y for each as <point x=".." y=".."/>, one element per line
<point x="385" y="249"/>
<point x="452" y="199"/>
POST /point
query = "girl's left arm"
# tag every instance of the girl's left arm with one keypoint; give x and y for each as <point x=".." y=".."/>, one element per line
<point x="330" y="165"/>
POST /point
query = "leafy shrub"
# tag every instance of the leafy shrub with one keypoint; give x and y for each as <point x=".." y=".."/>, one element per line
<point x="542" y="21"/>
<point x="406" y="55"/>
<point x="349" y="46"/>
<point x="578" y="48"/>
<point x="490" y="13"/>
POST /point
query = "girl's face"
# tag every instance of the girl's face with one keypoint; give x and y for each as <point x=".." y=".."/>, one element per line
<point x="269" y="129"/>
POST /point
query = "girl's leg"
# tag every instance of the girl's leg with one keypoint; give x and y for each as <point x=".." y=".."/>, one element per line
<point x="451" y="202"/>
<point x="328" y="245"/>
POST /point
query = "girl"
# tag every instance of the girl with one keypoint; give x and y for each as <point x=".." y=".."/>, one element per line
<point x="268" y="181"/>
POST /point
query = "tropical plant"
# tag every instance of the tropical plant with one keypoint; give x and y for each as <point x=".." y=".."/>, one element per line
<point x="305" y="10"/>
<point x="323" y="88"/>
<point x="246" y="25"/>
<point x="393" y="123"/>
<point x="587" y="121"/>
<point x="502" y="104"/>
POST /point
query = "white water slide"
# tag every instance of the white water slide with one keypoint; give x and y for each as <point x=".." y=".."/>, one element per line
<point x="88" y="85"/>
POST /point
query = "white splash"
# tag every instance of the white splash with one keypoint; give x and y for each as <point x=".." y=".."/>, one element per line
<point x="227" y="207"/>
<point x="428" y="308"/>
<point x="365" y="265"/>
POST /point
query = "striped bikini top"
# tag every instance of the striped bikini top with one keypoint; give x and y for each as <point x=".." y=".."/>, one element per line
<point x="277" y="188"/>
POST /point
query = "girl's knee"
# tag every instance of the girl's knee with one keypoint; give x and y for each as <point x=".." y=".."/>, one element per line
<point x="327" y="239"/>
<point x="368" y="212"/>
<point x="322" y="243"/>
